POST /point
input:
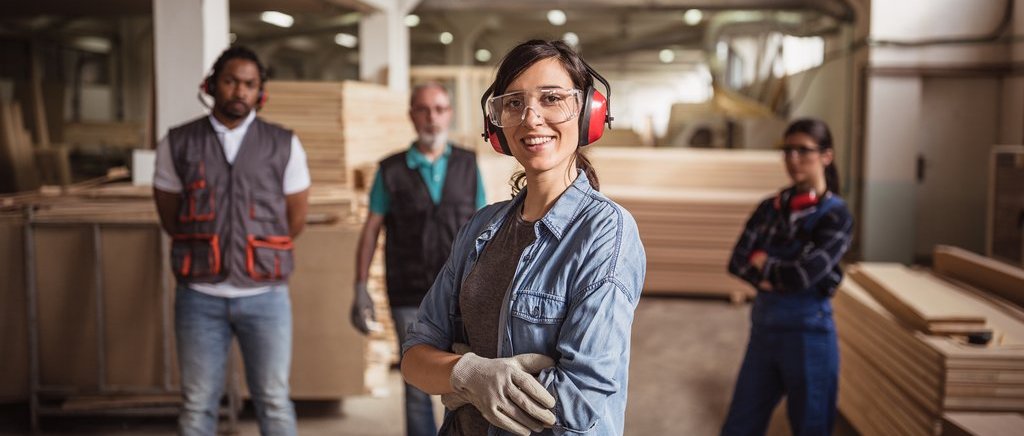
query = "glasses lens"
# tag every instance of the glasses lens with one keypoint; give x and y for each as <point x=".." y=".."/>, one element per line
<point x="554" y="105"/>
<point x="801" y="151"/>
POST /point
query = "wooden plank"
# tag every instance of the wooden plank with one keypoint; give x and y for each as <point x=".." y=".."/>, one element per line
<point x="1002" y="279"/>
<point x="982" y="424"/>
<point x="926" y="304"/>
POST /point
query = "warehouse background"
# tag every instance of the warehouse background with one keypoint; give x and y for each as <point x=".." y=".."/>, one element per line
<point x="925" y="99"/>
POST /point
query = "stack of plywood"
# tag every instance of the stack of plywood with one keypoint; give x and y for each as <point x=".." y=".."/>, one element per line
<point x="982" y="424"/>
<point x="341" y="124"/>
<point x="997" y="278"/>
<point x="898" y="379"/>
<point x="690" y="207"/>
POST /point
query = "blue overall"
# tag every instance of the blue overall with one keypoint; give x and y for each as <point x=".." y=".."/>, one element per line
<point x="793" y="350"/>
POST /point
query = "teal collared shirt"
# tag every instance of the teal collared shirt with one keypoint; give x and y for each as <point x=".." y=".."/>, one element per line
<point x="433" y="174"/>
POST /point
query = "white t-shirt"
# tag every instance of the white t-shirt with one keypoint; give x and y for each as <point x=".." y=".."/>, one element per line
<point x="296" y="179"/>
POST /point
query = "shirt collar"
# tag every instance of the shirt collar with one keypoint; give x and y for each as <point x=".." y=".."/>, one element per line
<point x="415" y="158"/>
<point x="221" y="128"/>
<point x="562" y="213"/>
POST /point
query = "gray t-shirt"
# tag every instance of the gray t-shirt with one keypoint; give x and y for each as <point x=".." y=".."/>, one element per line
<point x="481" y="298"/>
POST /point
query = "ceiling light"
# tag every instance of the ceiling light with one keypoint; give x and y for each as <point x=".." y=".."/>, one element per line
<point x="571" y="38"/>
<point x="412" y="20"/>
<point x="556" y="17"/>
<point x="346" y="40"/>
<point x="446" y="38"/>
<point x="278" y="19"/>
<point x="666" y="56"/>
<point x="94" y="44"/>
<point x="693" y="17"/>
<point x="483" y="55"/>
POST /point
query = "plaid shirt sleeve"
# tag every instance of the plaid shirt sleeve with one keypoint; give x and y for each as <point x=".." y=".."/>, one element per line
<point x="750" y="241"/>
<point x="830" y="241"/>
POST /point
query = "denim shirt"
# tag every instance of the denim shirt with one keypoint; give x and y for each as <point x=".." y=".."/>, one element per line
<point x="572" y="298"/>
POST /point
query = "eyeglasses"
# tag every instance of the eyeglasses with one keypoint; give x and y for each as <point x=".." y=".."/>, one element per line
<point x="801" y="151"/>
<point x="554" y="105"/>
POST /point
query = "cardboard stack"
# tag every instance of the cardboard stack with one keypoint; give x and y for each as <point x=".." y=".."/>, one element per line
<point x="899" y="375"/>
<point x="690" y="207"/>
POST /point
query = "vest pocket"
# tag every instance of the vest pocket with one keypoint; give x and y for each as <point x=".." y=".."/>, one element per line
<point x="268" y="258"/>
<point x="263" y="207"/>
<point x="199" y="199"/>
<point x="195" y="255"/>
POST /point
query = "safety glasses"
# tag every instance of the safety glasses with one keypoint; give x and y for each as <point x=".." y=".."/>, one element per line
<point x="799" y="150"/>
<point x="555" y="105"/>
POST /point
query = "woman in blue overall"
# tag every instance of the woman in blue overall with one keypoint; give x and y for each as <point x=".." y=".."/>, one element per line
<point x="540" y="290"/>
<point x="790" y="252"/>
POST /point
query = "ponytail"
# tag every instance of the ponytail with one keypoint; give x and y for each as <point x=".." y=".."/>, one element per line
<point x="832" y="178"/>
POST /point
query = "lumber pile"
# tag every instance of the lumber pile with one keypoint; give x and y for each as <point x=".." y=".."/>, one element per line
<point x="897" y="378"/>
<point x="341" y="124"/>
<point x="690" y="207"/>
<point x="997" y="278"/>
<point x="982" y="424"/>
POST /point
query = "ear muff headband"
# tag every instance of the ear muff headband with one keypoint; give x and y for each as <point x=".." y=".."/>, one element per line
<point x="595" y="113"/>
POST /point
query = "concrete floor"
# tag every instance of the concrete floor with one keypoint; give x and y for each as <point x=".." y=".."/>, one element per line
<point x="685" y="356"/>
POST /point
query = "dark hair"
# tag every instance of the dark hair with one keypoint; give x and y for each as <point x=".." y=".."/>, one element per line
<point x="522" y="57"/>
<point x="820" y="133"/>
<point x="238" y="52"/>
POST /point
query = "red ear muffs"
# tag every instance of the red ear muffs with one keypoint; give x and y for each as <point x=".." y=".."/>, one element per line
<point x="796" y="201"/>
<point x="592" y="117"/>
<point x="494" y="135"/>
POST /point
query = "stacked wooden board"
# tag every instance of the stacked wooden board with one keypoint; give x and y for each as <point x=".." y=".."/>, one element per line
<point x="896" y="378"/>
<point x="341" y="124"/>
<point x="690" y="207"/>
<point x="998" y="278"/>
<point x="982" y="424"/>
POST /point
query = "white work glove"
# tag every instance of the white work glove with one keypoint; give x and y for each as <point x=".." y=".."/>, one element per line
<point x="363" y="317"/>
<point x="505" y="392"/>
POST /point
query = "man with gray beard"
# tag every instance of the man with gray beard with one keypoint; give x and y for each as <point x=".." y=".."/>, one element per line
<point x="422" y="196"/>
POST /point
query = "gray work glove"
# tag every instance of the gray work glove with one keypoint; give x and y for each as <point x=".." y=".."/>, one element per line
<point x="363" y="318"/>
<point x="505" y="392"/>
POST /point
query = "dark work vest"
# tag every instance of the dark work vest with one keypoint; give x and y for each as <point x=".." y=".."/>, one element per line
<point x="419" y="233"/>
<point x="232" y="223"/>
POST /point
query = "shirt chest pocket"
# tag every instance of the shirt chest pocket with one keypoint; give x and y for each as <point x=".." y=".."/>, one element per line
<point x="537" y="319"/>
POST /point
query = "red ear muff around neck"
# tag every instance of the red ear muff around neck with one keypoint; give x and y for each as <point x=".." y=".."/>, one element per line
<point x="593" y="116"/>
<point x="803" y="200"/>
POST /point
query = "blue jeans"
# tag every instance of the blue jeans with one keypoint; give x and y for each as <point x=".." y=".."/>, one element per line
<point x="204" y="325"/>
<point x="803" y="365"/>
<point x="419" y="411"/>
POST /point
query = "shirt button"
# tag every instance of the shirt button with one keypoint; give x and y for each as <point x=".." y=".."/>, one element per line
<point x="536" y="311"/>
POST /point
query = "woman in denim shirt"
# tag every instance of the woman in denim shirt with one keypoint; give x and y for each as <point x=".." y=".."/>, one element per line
<point x="540" y="290"/>
<point x="790" y="252"/>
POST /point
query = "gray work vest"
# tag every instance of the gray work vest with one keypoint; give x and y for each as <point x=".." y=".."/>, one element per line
<point x="232" y="223"/>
